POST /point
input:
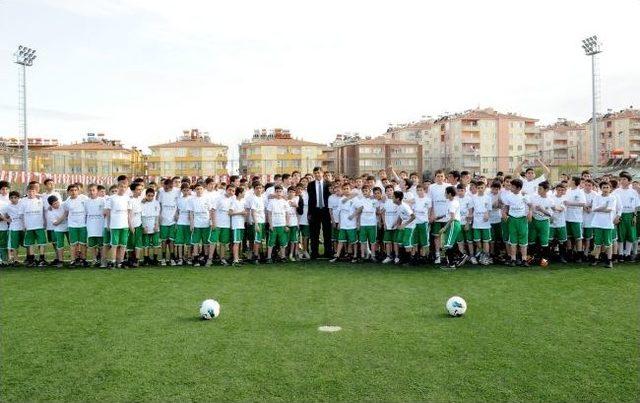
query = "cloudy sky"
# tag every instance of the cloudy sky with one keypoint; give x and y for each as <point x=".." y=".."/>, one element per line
<point x="143" y="70"/>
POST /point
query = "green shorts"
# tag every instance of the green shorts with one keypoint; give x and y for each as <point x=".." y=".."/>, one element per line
<point x="368" y="233"/>
<point x="77" y="235"/>
<point x="588" y="233"/>
<point x="106" y="236"/>
<point x="119" y="236"/>
<point x="334" y="234"/>
<point x="603" y="236"/>
<point x="574" y="230"/>
<point x="151" y="240"/>
<point x="539" y="232"/>
<point x="4" y="241"/>
<point x="220" y="235"/>
<point x="35" y="237"/>
<point x="436" y="227"/>
<point x="200" y="236"/>
<point x="518" y="231"/>
<point x="558" y="234"/>
<point x="292" y="236"/>
<point x="496" y="232"/>
<point x="15" y="239"/>
<point x="135" y="239"/>
<point x="51" y="236"/>
<point x="451" y="236"/>
<point x="465" y="235"/>
<point x="407" y="237"/>
<point x="181" y="234"/>
<point x="348" y="235"/>
<point x="238" y="235"/>
<point x="258" y="232"/>
<point x="277" y="235"/>
<point x="389" y="236"/>
<point x="627" y="228"/>
<point x="482" y="234"/>
<point x="60" y="238"/>
<point x="95" y="241"/>
<point x="167" y="232"/>
<point x="421" y="234"/>
<point x="304" y="231"/>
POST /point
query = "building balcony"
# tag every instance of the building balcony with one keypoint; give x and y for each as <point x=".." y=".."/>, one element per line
<point x="531" y="129"/>
<point x="153" y="158"/>
<point x="531" y="141"/>
<point x="470" y="128"/>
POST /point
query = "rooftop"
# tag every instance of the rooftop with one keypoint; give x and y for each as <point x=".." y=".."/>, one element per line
<point x="190" y="138"/>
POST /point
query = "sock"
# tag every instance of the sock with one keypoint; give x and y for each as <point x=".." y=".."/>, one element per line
<point x="42" y="256"/>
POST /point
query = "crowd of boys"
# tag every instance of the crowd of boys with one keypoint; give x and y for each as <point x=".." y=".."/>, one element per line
<point x="450" y="220"/>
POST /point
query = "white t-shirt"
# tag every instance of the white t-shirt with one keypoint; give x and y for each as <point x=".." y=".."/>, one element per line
<point x="575" y="214"/>
<point x="183" y="210"/>
<point x="136" y="211"/>
<point x="77" y="217"/>
<point x="168" y="205"/>
<point x="150" y="214"/>
<point x="291" y="213"/>
<point x="559" y="218"/>
<point x="627" y="200"/>
<point x="588" y="217"/>
<point x="421" y="207"/>
<point x="368" y="216"/>
<point x="405" y="212"/>
<point x="119" y="207"/>
<point x="531" y="186"/>
<point x="14" y="211"/>
<point x="33" y="213"/>
<point x="257" y="207"/>
<point x="334" y="206"/>
<point x="466" y="204"/>
<point x="546" y="203"/>
<point x="390" y="214"/>
<point x="222" y="207"/>
<point x="237" y="221"/>
<point x="481" y="205"/>
<point x="453" y="206"/>
<point x="495" y="216"/>
<point x="54" y="215"/>
<point x="200" y="206"/>
<point x="304" y="218"/>
<point x="248" y="197"/>
<point x="602" y="219"/>
<point x="439" y="201"/>
<point x="278" y="209"/>
<point x="517" y="204"/>
<point x="95" y="216"/>
<point x="347" y="209"/>
<point x="4" y="226"/>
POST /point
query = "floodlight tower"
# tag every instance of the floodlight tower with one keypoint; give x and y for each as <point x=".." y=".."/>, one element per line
<point x="591" y="47"/>
<point x="24" y="57"/>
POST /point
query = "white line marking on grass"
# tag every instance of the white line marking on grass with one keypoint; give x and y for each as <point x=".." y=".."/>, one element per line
<point x="329" y="328"/>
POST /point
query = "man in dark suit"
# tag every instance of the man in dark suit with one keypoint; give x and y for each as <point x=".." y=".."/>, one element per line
<point x="319" y="215"/>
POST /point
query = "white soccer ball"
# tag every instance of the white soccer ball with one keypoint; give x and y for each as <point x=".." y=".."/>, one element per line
<point x="456" y="306"/>
<point x="209" y="309"/>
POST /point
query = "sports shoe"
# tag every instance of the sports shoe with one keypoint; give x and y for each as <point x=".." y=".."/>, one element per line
<point x="396" y="260"/>
<point x="473" y="260"/>
<point x="163" y="262"/>
<point x="292" y="259"/>
<point x="437" y="260"/>
<point x="609" y="265"/>
<point x="387" y="260"/>
<point x="224" y="262"/>
<point x="463" y="259"/>
<point x="335" y="259"/>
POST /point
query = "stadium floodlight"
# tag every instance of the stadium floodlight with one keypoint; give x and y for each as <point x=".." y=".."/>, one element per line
<point x="24" y="57"/>
<point x="591" y="47"/>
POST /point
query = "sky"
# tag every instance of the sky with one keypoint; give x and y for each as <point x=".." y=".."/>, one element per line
<point x="142" y="71"/>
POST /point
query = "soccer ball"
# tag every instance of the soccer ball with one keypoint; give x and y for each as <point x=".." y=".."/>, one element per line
<point x="209" y="309"/>
<point x="544" y="262"/>
<point x="456" y="306"/>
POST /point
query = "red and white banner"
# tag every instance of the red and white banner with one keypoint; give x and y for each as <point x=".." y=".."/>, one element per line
<point x="25" y="177"/>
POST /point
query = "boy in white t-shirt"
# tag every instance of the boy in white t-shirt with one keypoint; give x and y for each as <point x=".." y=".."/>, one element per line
<point x="35" y="238"/>
<point x="292" y="213"/>
<point x="182" y="239"/>
<point x="94" y="206"/>
<point x="118" y="214"/>
<point x="481" y="206"/>
<point x="221" y="234"/>
<point x="150" y="228"/>
<point x="604" y="211"/>
<point x="201" y="223"/>
<point x="75" y="213"/>
<point x="238" y="215"/>
<point x="278" y="223"/>
<point x="257" y="212"/>
<point x="389" y="212"/>
<point x="303" y="221"/>
<point x="367" y="222"/>
<point x="56" y="217"/>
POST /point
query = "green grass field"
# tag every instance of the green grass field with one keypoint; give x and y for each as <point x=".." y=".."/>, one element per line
<point x="556" y="334"/>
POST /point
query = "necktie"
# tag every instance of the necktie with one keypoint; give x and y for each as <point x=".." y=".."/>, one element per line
<point x="320" y="198"/>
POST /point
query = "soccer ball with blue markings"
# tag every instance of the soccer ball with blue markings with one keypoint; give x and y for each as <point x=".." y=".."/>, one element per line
<point x="456" y="306"/>
<point x="209" y="309"/>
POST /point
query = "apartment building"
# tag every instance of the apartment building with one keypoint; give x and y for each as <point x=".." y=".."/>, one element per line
<point x="192" y="154"/>
<point x="354" y="156"/>
<point x="619" y="133"/>
<point x="276" y="151"/>
<point x="566" y="143"/>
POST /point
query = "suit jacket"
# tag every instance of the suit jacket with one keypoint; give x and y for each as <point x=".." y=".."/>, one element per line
<point x="313" y="197"/>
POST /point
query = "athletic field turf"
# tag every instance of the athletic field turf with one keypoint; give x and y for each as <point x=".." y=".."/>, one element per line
<point x="561" y="333"/>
